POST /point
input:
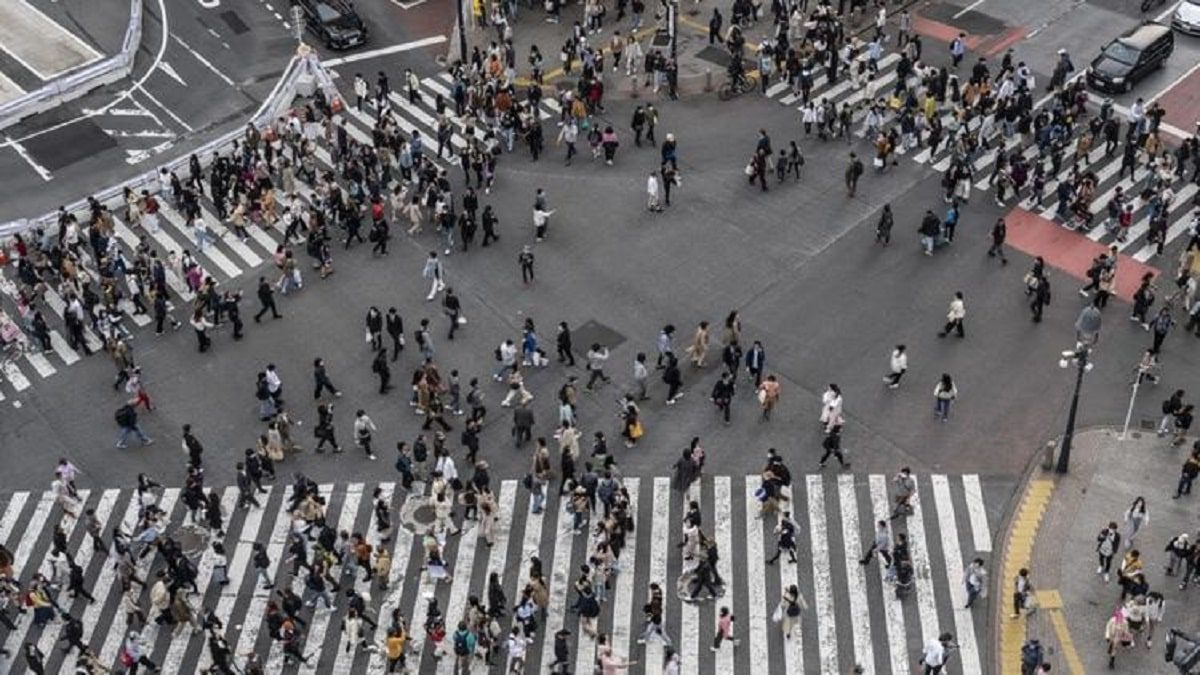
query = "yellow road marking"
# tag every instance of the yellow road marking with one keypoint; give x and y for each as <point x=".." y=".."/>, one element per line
<point x="1018" y="553"/>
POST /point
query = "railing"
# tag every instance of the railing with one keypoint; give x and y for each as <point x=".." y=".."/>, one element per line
<point x="81" y="80"/>
<point x="302" y="66"/>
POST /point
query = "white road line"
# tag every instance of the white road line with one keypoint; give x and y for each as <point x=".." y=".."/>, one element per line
<point x="822" y="584"/>
<point x="689" y="613"/>
<point x="1142" y="226"/>
<point x="199" y="57"/>
<point x="15" y="377"/>
<point x="133" y="241"/>
<point x="231" y="240"/>
<point x="623" y="594"/>
<point x="585" y="646"/>
<point x="170" y="113"/>
<point x="856" y="578"/>
<point x="968" y="8"/>
<point x="39" y="362"/>
<point x="24" y="154"/>
<point x="722" y="533"/>
<point x="116" y="629"/>
<point x="318" y="625"/>
<point x="793" y="649"/>
<point x="457" y="142"/>
<point x="756" y="627"/>
<point x="978" y="515"/>
<point x="660" y="534"/>
<point x="1177" y="228"/>
<point x="36" y="522"/>
<point x="893" y="610"/>
<point x="60" y="346"/>
<point x="922" y="574"/>
<point x="395" y="589"/>
<point x="83" y="558"/>
<point x="384" y="51"/>
<point x="344" y="662"/>
<point x="9" y="90"/>
<point x="56" y="304"/>
<point x="506" y="504"/>
<point x="211" y="251"/>
<point x="167" y="69"/>
<point x="964" y="620"/>
<point x="173" y="661"/>
<point x="560" y="577"/>
<point x="103" y="584"/>
<point x="456" y="606"/>
<point x="12" y="513"/>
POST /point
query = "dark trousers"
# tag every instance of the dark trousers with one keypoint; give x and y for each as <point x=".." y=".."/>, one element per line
<point x="596" y="374"/>
<point x="835" y="452"/>
<point x="396" y="346"/>
<point x="324" y="384"/>
<point x="953" y="325"/>
<point x="565" y="355"/>
<point x="527" y="273"/>
<point x="269" y="305"/>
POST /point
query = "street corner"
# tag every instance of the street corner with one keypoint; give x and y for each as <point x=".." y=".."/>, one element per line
<point x="1068" y="250"/>
<point x="1181" y="100"/>
<point x="985" y="35"/>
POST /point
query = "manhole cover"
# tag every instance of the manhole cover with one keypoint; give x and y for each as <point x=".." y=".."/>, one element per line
<point x="1148" y="425"/>
<point x="416" y="514"/>
<point x="192" y="540"/>
<point x="423" y="514"/>
<point x="594" y="332"/>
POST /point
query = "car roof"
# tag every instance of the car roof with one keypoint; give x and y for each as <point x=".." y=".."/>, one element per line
<point x="1144" y="35"/>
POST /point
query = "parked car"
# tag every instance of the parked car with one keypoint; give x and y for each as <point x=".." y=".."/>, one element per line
<point x="335" y="22"/>
<point x="1186" y="18"/>
<point x="1130" y="57"/>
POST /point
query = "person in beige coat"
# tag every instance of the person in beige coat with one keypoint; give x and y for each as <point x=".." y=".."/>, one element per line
<point x="699" y="347"/>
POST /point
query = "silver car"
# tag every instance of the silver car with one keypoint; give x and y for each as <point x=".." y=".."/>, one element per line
<point x="1187" y="17"/>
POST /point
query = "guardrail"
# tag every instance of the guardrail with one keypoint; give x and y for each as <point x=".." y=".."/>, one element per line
<point x="303" y="73"/>
<point x="80" y="81"/>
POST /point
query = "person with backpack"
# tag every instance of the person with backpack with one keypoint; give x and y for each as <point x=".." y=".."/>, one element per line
<point x="127" y="419"/>
<point x="464" y="647"/>
<point x="1032" y="656"/>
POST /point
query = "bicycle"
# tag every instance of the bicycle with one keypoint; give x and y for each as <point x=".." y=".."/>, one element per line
<point x="735" y="87"/>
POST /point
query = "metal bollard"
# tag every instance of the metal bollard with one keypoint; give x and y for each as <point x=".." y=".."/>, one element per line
<point x="1048" y="455"/>
<point x="708" y="86"/>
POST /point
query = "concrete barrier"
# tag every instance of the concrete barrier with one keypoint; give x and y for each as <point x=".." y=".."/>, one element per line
<point x="80" y="81"/>
<point x="304" y="66"/>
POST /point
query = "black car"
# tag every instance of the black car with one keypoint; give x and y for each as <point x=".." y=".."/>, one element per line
<point x="334" y="21"/>
<point x="1131" y="57"/>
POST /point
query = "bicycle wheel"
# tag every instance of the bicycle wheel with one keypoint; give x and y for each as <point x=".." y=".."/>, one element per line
<point x="725" y="92"/>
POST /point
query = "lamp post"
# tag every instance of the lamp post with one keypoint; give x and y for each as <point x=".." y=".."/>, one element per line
<point x="1080" y="358"/>
<point x="462" y="31"/>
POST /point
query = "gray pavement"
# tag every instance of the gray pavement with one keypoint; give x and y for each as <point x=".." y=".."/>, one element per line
<point x="1106" y="475"/>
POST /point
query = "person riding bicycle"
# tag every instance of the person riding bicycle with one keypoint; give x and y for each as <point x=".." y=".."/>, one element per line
<point x="737" y="73"/>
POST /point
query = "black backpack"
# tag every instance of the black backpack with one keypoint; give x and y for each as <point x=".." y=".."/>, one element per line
<point x="124" y="415"/>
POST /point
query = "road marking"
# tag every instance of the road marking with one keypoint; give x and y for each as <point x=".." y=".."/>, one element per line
<point x="119" y="112"/>
<point x="822" y="585"/>
<point x="116" y="628"/>
<point x="38" y="520"/>
<point x="205" y="62"/>
<point x="627" y="570"/>
<point x="15" y="377"/>
<point x="893" y="610"/>
<point x="145" y="133"/>
<point x="12" y="513"/>
<point x="689" y="612"/>
<point x="211" y="251"/>
<point x="756" y="631"/>
<point x="793" y="649"/>
<point x="275" y="656"/>
<point x="133" y="241"/>
<point x="9" y="90"/>
<point x="660" y="534"/>
<point x="173" y="661"/>
<point x="506" y="504"/>
<point x="856" y="578"/>
<point x="408" y="5"/>
<point x="968" y="8"/>
<point x="385" y="51"/>
<point x="964" y="620"/>
<point x="20" y="150"/>
<point x="977" y="514"/>
<point x="926" y="605"/>
<point x="39" y="362"/>
<point x="318" y="624"/>
<point x="723" y="535"/>
<point x="395" y="589"/>
<point x="101" y="586"/>
<point x="464" y="564"/>
<point x="168" y="70"/>
<point x="164" y="108"/>
<point x="23" y="18"/>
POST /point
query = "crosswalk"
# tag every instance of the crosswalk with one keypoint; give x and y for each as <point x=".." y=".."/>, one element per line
<point x="853" y="615"/>
<point x="1105" y="168"/>
<point x="224" y="257"/>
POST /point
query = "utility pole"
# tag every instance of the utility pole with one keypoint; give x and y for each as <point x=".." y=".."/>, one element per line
<point x="1080" y="358"/>
<point x="462" y="31"/>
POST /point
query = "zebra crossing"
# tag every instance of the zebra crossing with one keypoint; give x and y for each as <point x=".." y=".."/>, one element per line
<point x="1105" y="167"/>
<point x="224" y="257"/>
<point x="853" y="615"/>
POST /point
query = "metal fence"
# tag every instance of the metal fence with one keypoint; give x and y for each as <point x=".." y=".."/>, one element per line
<point x="303" y="73"/>
<point x="80" y="81"/>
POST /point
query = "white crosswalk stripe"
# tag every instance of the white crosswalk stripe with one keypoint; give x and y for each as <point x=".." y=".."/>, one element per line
<point x="832" y="538"/>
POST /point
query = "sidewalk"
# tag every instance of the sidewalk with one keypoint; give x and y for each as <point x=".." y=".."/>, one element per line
<point x="1057" y="524"/>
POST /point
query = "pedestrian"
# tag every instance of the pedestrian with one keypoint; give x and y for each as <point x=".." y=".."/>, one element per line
<point x="999" y="234"/>
<point x="854" y="171"/>
<point x="975" y="579"/>
<point x="525" y="261"/>
<point x="1117" y="635"/>
<point x="127" y="421"/>
<point x="1187" y="475"/>
<point x="395" y="329"/>
<point x="1135" y="517"/>
<point x="883" y="229"/>
<point x="944" y="394"/>
<point x="768" y="396"/>
<point x="673" y="378"/>
<point x="322" y="381"/>
<point x="898" y="365"/>
<point x="653" y="202"/>
<point x="698" y="349"/>
<point x="266" y="300"/>
<point x="785" y="539"/>
<point x="958" y="49"/>
<point x="935" y="653"/>
<point x="955" y="316"/>
<point x="787" y="613"/>
<point x="832" y="444"/>
<point x="364" y="427"/>
<point x="653" y="611"/>
<point x="1161" y="325"/>
<point x="435" y="273"/>
<point x="1108" y="543"/>
<point x="1170" y="408"/>
<point x="324" y="431"/>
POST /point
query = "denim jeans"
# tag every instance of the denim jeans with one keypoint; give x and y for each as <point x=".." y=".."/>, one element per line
<point x="135" y="429"/>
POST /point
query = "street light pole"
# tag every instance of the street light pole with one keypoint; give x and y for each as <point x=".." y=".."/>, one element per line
<point x="462" y="31"/>
<point x="1081" y="365"/>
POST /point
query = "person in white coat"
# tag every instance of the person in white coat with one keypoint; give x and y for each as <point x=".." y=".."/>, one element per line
<point x="361" y="91"/>
<point x="898" y="366"/>
<point x="435" y="273"/>
<point x="955" y="316"/>
<point x="831" y="407"/>
<point x="652" y="193"/>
